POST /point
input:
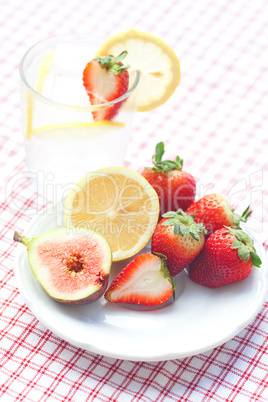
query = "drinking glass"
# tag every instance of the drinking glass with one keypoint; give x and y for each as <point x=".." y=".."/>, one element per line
<point x="62" y="141"/>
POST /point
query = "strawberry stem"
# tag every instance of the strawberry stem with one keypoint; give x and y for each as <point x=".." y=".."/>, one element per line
<point x="184" y="224"/>
<point x="241" y="218"/>
<point x="166" y="165"/>
<point x="112" y="63"/>
<point x="244" y="245"/>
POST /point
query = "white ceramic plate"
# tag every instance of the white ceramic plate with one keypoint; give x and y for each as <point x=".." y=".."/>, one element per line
<point x="199" y="319"/>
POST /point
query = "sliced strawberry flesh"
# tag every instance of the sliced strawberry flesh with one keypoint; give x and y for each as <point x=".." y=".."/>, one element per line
<point x="143" y="281"/>
<point x="101" y="86"/>
<point x="104" y="86"/>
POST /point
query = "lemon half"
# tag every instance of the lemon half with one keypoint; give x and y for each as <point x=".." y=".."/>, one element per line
<point x="117" y="203"/>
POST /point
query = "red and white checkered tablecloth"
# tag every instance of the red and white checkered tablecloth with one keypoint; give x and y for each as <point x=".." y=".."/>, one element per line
<point x="217" y="121"/>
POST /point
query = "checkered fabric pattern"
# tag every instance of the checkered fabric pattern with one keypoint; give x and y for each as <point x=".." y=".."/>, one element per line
<point x="217" y="121"/>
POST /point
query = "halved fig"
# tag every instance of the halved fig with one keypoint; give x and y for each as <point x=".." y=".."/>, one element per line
<point x="72" y="266"/>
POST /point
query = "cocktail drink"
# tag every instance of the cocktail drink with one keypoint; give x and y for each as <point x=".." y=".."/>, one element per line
<point x="63" y="140"/>
<point x="76" y="119"/>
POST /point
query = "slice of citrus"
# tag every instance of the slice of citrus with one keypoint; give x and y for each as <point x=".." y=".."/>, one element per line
<point x="117" y="203"/>
<point x="156" y="61"/>
<point x="97" y="125"/>
<point x="44" y="68"/>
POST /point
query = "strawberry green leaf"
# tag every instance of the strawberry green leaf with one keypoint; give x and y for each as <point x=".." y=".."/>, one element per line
<point x="179" y="161"/>
<point x="112" y="63"/>
<point x="195" y="235"/>
<point x="184" y="224"/>
<point x="242" y="218"/>
<point x="235" y="231"/>
<point x="239" y="236"/>
<point x="243" y="253"/>
<point x="246" y="214"/>
<point x="255" y="259"/>
<point x="185" y="230"/>
<point x="169" y="222"/>
<point x="166" y="165"/>
<point x="244" y="245"/>
<point x="103" y="61"/>
<point x="177" y="228"/>
<point x="236" y="244"/>
<point x="193" y="216"/>
<point x="159" y="152"/>
<point x="166" y="273"/>
<point x="162" y="256"/>
<point x="121" y="56"/>
<point x="170" y="214"/>
<point x="119" y="70"/>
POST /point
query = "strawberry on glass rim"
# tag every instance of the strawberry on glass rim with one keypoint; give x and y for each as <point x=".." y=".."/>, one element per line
<point x="157" y="63"/>
<point x="106" y="79"/>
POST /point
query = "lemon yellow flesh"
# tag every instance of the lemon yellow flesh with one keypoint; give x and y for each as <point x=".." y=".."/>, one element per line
<point x="117" y="203"/>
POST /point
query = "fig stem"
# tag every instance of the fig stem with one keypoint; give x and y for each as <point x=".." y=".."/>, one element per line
<point x="21" y="239"/>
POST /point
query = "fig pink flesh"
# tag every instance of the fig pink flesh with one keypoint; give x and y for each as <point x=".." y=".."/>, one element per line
<point x="73" y="264"/>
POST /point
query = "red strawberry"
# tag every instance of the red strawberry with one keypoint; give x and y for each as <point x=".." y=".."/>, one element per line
<point x="145" y="280"/>
<point x="179" y="238"/>
<point x="106" y="79"/>
<point x="214" y="211"/>
<point x="175" y="187"/>
<point x="228" y="256"/>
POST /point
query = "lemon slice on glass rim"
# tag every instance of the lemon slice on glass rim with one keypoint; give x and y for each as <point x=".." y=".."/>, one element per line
<point x="118" y="203"/>
<point x="158" y="65"/>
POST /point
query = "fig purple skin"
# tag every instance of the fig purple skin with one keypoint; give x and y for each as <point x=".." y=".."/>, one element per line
<point x="91" y="298"/>
<point x="72" y="266"/>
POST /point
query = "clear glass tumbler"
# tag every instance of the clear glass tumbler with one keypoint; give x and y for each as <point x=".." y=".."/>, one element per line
<point x="63" y="142"/>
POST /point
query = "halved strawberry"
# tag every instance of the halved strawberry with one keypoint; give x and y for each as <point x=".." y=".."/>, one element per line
<point x="106" y="79"/>
<point x="145" y="280"/>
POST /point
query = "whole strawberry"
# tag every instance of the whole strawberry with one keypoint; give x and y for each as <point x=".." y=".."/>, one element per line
<point x="179" y="238"/>
<point x="106" y="79"/>
<point x="145" y="281"/>
<point x="175" y="187"/>
<point x="214" y="212"/>
<point x="228" y="257"/>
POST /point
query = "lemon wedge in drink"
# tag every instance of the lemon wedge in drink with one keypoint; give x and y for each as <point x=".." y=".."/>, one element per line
<point x="78" y="126"/>
<point x="156" y="61"/>
<point x="118" y="203"/>
<point x="44" y="68"/>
